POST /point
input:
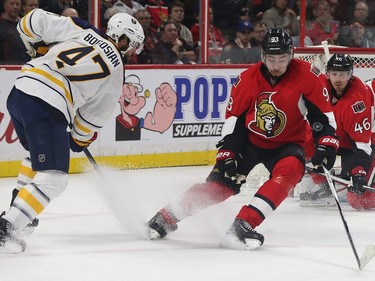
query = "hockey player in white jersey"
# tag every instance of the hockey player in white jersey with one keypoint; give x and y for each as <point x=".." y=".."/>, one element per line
<point x="76" y="84"/>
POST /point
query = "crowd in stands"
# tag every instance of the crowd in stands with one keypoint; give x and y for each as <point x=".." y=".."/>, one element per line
<point x="173" y="35"/>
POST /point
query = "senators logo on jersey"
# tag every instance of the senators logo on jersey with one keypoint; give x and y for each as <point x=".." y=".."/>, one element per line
<point x="358" y="107"/>
<point x="269" y="120"/>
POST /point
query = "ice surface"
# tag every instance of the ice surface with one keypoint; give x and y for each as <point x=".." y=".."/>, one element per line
<point x="96" y="231"/>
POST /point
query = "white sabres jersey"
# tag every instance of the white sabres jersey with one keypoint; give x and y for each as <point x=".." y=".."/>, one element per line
<point x="81" y="74"/>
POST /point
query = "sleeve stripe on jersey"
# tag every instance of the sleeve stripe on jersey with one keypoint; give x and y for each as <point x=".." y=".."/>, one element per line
<point x="331" y="119"/>
<point x="366" y="147"/>
<point x="25" y="29"/>
<point x="90" y="123"/>
<point x="81" y="127"/>
<point x="53" y="80"/>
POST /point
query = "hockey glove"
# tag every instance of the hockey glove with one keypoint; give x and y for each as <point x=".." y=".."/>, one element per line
<point x="325" y="153"/>
<point x="358" y="175"/>
<point x="226" y="163"/>
<point x="79" y="145"/>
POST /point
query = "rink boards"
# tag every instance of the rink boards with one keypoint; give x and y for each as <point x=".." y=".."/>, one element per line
<point x="201" y="95"/>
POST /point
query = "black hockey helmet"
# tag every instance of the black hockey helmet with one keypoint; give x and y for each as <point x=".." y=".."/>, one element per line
<point x="277" y="41"/>
<point x="340" y="62"/>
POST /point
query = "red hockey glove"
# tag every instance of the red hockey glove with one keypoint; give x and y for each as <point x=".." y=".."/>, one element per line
<point x="78" y="145"/>
<point x="325" y="152"/>
<point x="225" y="162"/>
<point x="358" y="175"/>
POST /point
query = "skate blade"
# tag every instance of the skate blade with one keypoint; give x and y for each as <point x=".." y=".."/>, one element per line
<point x="27" y="230"/>
<point x="232" y="242"/>
<point x="252" y="244"/>
<point x="13" y="247"/>
<point x="320" y="203"/>
<point x="153" y="234"/>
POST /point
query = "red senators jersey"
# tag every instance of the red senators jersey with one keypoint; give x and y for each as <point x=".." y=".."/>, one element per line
<point x="353" y="115"/>
<point x="277" y="114"/>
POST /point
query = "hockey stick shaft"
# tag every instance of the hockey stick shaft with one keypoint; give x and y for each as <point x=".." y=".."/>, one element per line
<point x="91" y="159"/>
<point x="93" y="162"/>
<point x="333" y="190"/>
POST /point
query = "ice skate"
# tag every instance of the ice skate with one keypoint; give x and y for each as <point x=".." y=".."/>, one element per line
<point x="29" y="228"/>
<point x="320" y="191"/>
<point x="9" y="244"/>
<point x="161" y="224"/>
<point x="242" y="234"/>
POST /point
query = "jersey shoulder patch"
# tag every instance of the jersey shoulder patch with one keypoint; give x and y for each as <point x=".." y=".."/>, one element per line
<point x="315" y="70"/>
<point x="358" y="107"/>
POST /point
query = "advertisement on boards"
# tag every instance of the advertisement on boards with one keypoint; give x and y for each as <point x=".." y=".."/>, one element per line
<point x="159" y="111"/>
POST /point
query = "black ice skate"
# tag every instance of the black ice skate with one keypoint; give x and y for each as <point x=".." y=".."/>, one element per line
<point x="242" y="231"/>
<point x="9" y="244"/>
<point x="320" y="191"/>
<point x="162" y="223"/>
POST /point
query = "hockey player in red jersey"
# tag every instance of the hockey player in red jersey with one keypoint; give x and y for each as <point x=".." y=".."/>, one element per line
<point x="359" y="198"/>
<point x="76" y="85"/>
<point x="352" y="103"/>
<point x="265" y="123"/>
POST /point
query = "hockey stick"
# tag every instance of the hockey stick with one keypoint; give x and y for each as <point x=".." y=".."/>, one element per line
<point x="91" y="159"/>
<point x="93" y="162"/>
<point x="337" y="179"/>
<point x="370" y="249"/>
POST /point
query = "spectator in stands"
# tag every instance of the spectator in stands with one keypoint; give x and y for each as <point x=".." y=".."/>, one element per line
<point x="215" y="39"/>
<point x="176" y="12"/>
<point x="28" y="5"/>
<point x="354" y="35"/>
<point x="70" y="12"/>
<point x="12" y="49"/>
<point x="260" y="29"/>
<point x="170" y="49"/>
<point x="279" y="15"/>
<point x="359" y="38"/>
<point x="144" y="18"/>
<point x="123" y="6"/>
<point x="361" y="10"/>
<point x="323" y="27"/>
<point x="239" y="50"/>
